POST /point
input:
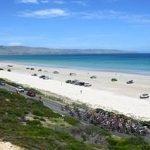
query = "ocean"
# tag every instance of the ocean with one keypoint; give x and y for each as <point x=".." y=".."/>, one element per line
<point x="128" y="63"/>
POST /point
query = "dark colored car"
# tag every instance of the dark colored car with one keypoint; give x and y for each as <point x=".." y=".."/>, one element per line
<point x="143" y="96"/>
<point x="130" y="82"/>
<point x="82" y="83"/>
<point x="114" y="80"/>
<point x="34" y="74"/>
<point x="93" y="77"/>
<point x="74" y="81"/>
<point x="31" y="93"/>
<point x="55" y="72"/>
<point x="9" y="70"/>
<point x="68" y="81"/>
<point x="42" y="76"/>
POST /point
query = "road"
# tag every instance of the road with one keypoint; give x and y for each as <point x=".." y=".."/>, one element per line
<point x="55" y="106"/>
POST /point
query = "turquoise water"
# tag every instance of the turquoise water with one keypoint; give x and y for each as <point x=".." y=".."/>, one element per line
<point x="131" y="63"/>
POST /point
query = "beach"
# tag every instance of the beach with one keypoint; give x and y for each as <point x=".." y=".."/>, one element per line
<point x="118" y="96"/>
<point x="9" y="146"/>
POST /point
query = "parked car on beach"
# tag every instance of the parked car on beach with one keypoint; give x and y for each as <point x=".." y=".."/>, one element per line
<point x="44" y="77"/>
<point x="87" y="84"/>
<point x="143" y="96"/>
<point x="93" y="77"/>
<point x="114" y="80"/>
<point x="77" y="82"/>
<point x="130" y="82"/>
<point x="68" y="81"/>
<point x="34" y="74"/>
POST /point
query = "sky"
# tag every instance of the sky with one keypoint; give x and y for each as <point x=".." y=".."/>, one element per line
<point x="106" y="24"/>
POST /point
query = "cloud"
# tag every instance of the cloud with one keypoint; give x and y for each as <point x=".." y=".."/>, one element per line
<point x="136" y="18"/>
<point x="110" y="14"/>
<point x="15" y="44"/>
<point x="95" y="15"/>
<point x="79" y="2"/>
<point x="33" y="1"/>
<point x="110" y="1"/>
<point x="29" y="1"/>
<point x="59" y="2"/>
<point x="19" y="39"/>
<point x="44" y="1"/>
<point x="115" y="15"/>
<point x="45" y="13"/>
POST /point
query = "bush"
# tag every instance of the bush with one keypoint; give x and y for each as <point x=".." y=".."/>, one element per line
<point x="34" y="123"/>
<point x="98" y="130"/>
<point x="38" y="113"/>
<point x="71" y="120"/>
<point x="32" y="135"/>
<point x="133" y="143"/>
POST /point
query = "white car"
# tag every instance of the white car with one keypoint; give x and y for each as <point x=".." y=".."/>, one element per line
<point x="19" y="89"/>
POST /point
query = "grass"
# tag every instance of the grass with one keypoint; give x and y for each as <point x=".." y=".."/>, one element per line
<point x="100" y="131"/>
<point x="32" y="134"/>
<point x="71" y="120"/>
<point x="133" y="143"/>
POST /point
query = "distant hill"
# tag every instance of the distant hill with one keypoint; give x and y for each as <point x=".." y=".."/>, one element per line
<point x="22" y="50"/>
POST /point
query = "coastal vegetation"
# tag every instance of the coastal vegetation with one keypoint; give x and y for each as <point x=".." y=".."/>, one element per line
<point x="128" y="144"/>
<point x="22" y="123"/>
<point x="28" y="123"/>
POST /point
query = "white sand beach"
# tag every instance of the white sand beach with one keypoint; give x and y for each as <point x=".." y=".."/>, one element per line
<point x="9" y="146"/>
<point x="114" y="96"/>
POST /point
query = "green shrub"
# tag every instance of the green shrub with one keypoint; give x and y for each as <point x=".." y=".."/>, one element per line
<point x="32" y="135"/>
<point x="71" y="120"/>
<point x="133" y="143"/>
<point x="98" y="130"/>
<point x="38" y="113"/>
<point x="34" y="123"/>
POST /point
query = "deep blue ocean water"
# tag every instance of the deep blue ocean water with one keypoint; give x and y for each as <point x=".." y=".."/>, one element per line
<point x="130" y="63"/>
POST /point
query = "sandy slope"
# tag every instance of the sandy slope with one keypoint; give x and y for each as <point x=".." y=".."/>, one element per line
<point x="9" y="146"/>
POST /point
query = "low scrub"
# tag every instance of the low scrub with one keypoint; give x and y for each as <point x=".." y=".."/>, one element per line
<point x="71" y="120"/>
<point x="31" y="134"/>
<point x="133" y="143"/>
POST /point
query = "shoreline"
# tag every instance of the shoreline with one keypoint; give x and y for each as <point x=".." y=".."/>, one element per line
<point x="104" y="94"/>
<point x="129" y="72"/>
